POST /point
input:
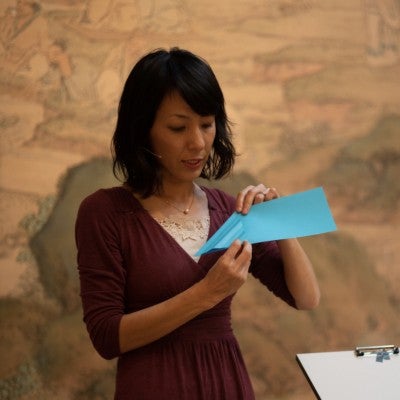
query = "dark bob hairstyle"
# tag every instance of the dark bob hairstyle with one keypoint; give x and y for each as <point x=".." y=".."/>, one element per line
<point x="156" y="75"/>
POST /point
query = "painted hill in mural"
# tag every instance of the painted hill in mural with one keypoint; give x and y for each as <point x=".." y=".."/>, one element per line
<point x="365" y="173"/>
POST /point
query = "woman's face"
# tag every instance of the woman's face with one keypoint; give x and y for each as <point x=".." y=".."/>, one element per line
<point x="182" y="139"/>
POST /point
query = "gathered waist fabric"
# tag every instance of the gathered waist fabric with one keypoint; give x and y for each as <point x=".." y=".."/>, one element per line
<point x="200" y="360"/>
<point x="202" y="329"/>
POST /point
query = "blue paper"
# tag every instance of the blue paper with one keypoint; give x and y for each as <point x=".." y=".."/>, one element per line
<point x="301" y="214"/>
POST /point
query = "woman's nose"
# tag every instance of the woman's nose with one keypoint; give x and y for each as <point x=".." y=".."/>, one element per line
<point x="196" y="138"/>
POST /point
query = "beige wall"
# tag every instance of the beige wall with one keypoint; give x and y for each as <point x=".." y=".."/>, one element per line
<point x="313" y="89"/>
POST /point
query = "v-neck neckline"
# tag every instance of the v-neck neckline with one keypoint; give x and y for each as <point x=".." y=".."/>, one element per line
<point x="140" y="207"/>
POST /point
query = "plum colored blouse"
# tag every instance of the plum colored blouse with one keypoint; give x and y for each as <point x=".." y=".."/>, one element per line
<point x="127" y="261"/>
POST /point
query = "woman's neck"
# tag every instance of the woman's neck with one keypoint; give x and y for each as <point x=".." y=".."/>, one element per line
<point x="177" y="193"/>
<point x="182" y="200"/>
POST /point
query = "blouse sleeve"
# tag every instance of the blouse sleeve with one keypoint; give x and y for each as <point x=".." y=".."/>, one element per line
<point x="101" y="272"/>
<point x="267" y="267"/>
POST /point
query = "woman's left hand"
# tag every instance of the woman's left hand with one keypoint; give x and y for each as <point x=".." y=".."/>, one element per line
<point x="299" y="274"/>
<point x="254" y="195"/>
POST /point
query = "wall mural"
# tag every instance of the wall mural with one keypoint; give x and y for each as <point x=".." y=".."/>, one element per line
<point x="313" y="89"/>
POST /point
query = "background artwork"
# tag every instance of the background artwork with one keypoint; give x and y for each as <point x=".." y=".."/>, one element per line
<point x="313" y="90"/>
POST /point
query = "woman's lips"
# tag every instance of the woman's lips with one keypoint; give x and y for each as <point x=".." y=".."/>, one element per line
<point x="193" y="164"/>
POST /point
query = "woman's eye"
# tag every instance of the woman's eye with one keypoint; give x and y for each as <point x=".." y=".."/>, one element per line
<point x="177" y="128"/>
<point x="207" y="125"/>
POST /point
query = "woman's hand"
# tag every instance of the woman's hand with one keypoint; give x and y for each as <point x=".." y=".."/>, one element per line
<point x="225" y="277"/>
<point x="254" y="195"/>
<point x="229" y="273"/>
<point x="299" y="273"/>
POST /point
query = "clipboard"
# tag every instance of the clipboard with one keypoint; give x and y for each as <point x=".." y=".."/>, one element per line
<point x="353" y="375"/>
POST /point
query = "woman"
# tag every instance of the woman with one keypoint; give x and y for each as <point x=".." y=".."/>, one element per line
<point x="147" y="298"/>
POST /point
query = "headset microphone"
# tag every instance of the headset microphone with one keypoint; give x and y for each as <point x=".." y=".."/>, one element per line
<point x="154" y="154"/>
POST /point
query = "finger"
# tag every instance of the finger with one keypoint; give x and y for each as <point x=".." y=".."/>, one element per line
<point x="259" y="198"/>
<point x="268" y="193"/>
<point x="233" y="249"/>
<point x="243" y="258"/>
<point x="241" y="197"/>
<point x="253" y="195"/>
<point x="271" y="194"/>
<point x="245" y="252"/>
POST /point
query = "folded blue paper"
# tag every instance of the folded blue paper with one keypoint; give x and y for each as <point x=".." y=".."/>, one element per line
<point x="301" y="214"/>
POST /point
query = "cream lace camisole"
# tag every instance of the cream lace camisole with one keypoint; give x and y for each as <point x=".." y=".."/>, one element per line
<point x="190" y="233"/>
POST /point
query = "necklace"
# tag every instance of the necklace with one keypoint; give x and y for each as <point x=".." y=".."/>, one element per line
<point x="185" y="211"/>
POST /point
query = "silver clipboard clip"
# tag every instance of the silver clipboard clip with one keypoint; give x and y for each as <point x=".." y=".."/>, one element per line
<point x="381" y="352"/>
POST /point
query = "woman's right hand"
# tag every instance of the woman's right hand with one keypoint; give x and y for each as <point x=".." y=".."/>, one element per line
<point x="229" y="273"/>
